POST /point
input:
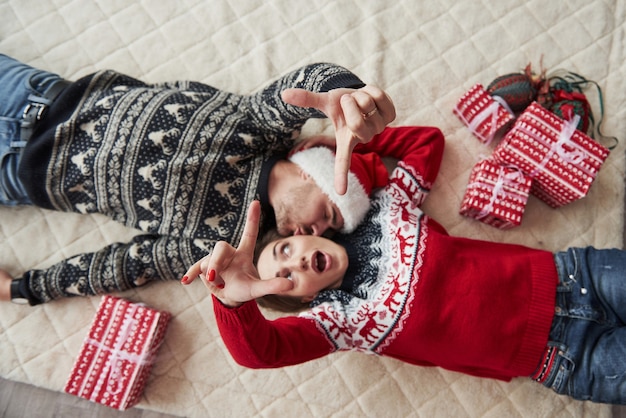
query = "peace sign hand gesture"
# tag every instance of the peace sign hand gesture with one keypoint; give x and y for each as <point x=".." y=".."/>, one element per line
<point x="229" y="273"/>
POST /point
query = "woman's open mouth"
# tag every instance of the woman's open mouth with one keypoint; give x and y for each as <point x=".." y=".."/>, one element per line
<point x="320" y="262"/>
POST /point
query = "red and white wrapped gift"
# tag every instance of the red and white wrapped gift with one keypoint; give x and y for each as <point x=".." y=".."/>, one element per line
<point x="562" y="160"/>
<point x="496" y="194"/>
<point x="486" y="116"/>
<point x="117" y="354"/>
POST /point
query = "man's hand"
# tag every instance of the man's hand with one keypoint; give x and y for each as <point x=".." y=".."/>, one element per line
<point x="357" y="115"/>
<point x="230" y="274"/>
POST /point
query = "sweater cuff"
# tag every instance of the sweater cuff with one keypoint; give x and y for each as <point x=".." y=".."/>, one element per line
<point x="343" y="81"/>
<point x="241" y="315"/>
<point x="340" y="78"/>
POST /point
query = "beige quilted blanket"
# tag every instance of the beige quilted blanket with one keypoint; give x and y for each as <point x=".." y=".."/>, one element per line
<point x="425" y="54"/>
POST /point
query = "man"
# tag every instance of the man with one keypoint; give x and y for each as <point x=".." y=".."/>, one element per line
<point x="180" y="161"/>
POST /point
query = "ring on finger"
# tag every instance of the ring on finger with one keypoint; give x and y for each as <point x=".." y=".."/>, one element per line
<point x="370" y="113"/>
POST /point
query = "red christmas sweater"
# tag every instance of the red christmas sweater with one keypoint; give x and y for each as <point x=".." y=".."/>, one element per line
<point x="414" y="293"/>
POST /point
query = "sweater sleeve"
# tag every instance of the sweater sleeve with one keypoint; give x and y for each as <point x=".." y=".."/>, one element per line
<point x="270" y="113"/>
<point x="113" y="268"/>
<point x="417" y="149"/>
<point x="257" y="343"/>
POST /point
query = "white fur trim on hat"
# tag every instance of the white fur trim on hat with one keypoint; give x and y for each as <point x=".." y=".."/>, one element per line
<point x="319" y="163"/>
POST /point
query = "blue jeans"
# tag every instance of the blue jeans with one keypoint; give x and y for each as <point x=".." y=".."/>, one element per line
<point x="589" y="329"/>
<point x="17" y="82"/>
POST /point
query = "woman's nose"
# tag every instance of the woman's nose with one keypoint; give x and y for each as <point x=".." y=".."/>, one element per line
<point x="299" y="263"/>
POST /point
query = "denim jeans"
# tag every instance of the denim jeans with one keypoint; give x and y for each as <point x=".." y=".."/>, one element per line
<point x="17" y="82"/>
<point x="589" y="329"/>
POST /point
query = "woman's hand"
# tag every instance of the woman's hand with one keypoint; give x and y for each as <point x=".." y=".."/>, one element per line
<point x="357" y="115"/>
<point x="229" y="273"/>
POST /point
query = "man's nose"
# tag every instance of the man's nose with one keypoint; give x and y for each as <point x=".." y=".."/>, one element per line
<point x="319" y="228"/>
<point x="312" y="229"/>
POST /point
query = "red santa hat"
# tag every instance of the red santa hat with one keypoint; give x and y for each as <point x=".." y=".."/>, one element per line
<point x="367" y="172"/>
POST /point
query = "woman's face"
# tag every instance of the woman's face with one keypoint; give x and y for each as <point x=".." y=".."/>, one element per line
<point x="312" y="263"/>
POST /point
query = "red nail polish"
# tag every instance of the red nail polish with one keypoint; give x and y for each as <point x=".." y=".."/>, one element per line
<point x="184" y="279"/>
<point x="211" y="275"/>
<point x="221" y="286"/>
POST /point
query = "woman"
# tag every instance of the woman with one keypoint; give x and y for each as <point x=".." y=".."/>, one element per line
<point x="400" y="286"/>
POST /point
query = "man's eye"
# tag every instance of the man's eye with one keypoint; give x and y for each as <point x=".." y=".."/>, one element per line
<point x="331" y="217"/>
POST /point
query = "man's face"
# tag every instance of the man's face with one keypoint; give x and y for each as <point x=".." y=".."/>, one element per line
<point x="306" y="210"/>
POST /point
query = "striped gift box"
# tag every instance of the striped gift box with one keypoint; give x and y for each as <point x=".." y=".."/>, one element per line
<point x="115" y="359"/>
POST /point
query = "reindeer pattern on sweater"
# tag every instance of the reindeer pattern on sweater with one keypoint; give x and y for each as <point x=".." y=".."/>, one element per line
<point x="385" y="259"/>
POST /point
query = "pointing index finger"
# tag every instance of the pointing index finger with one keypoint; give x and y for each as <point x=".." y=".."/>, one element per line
<point x="251" y="229"/>
<point x="342" y="164"/>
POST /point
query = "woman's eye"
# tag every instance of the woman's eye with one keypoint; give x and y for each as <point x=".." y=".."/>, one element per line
<point x="286" y="250"/>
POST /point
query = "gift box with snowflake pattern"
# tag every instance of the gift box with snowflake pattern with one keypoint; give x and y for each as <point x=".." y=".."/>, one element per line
<point x="116" y="357"/>
<point x="496" y="195"/>
<point x="562" y="161"/>
<point x="486" y="116"/>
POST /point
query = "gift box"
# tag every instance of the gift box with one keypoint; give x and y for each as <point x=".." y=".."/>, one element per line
<point x="486" y="116"/>
<point x="496" y="195"/>
<point x="115" y="359"/>
<point x="562" y="161"/>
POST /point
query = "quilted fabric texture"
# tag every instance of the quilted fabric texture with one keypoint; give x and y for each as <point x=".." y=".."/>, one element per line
<point x="425" y="55"/>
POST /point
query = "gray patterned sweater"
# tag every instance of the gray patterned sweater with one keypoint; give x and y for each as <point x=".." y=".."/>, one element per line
<point x="179" y="161"/>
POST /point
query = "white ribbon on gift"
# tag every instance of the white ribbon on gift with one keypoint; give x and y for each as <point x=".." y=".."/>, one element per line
<point x="112" y="371"/>
<point x="498" y="190"/>
<point x="489" y="111"/>
<point x="574" y="157"/>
